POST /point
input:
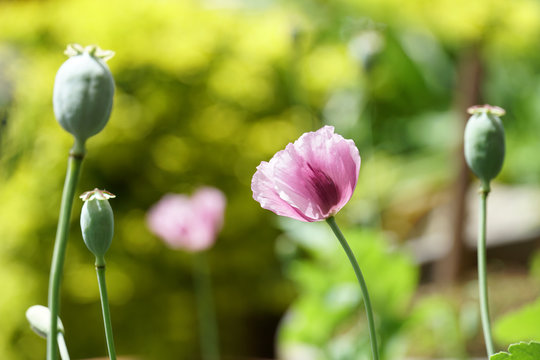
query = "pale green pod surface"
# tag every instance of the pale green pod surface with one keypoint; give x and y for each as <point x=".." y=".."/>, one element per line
<point x="97" y="225"/>
<point x="83" y="93"/>
<point x="39" y="318"/>
<point x="484" y="143"/>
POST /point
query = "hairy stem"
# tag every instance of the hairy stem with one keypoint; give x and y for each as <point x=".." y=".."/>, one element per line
<point x="76" y="156"/>
<point x="482" y="273"/>
<point x="367" y="302"/>
<point x="64" y="355"/>
<point x="208" y="332"/>
<point x="100" y="270"/>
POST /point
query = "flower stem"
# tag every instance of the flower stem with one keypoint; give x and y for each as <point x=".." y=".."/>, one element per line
<point x="76" y="156"/>
<point x="64" y="355"/>
<point x="482" y="274"/>
<point x="208" y="332"/>
<point x="369" y="311"/>
<point x="100" y="270"/>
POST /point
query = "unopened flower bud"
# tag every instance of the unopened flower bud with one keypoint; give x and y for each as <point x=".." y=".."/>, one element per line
<point x="83" y="91"/>
<point x="484" y="142"/>
<point x="39" y="318"/>
<point x="97" y="221"/>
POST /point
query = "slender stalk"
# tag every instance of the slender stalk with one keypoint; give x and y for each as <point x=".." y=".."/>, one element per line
<point x="208" y="332"/>
<point x="482" y="273"/>
<point x="100" y="270"/>
<point x="64" y="355"/>
<point x="76" y="156"/>
<point x="367" y="302"/>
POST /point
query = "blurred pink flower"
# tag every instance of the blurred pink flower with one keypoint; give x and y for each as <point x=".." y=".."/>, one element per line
<point x="311" y="179"/>
<point x="189" y="223"/>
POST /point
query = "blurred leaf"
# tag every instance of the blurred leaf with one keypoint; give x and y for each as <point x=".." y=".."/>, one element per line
<point x="521" y="351"/>
<point x="328" y="312"/>
<point x="435" y="329"/>
<point x="519" y="324"/>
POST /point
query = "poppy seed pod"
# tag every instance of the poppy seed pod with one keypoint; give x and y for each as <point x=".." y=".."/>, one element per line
<point x="39" y="318"/>
<point x="83" y="91"/>
<point x="484" y="142"/>
<point x="97" y="221"/>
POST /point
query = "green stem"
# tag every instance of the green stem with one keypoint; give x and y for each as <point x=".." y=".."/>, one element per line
<point x="482" y="273"/>
<point x="100" y="270"/>
<point x="64" y="355"/>
<point x="76" y="156"/>
<point x="369" y="311"/>
<point x="208" y="332"/>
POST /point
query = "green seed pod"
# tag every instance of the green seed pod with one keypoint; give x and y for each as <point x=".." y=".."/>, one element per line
<point x="97" y="221"/>
<point x="83" y="91"/>
<point x="39" y="318"/>
<point x="484" y="142"/>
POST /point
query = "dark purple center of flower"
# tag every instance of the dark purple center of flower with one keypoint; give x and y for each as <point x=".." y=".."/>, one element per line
<point x="325" y="189"/>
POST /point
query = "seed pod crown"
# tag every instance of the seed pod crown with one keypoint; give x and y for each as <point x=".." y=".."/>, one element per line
<point x="484" y="142"/>
<point x="83" y="91"/>
<point x="97" y="221"/>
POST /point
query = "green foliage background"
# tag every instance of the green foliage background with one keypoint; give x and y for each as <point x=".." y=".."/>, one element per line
<point x="205" y="91"/>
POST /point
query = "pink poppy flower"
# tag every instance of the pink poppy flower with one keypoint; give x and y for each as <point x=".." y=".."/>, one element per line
<point x="189" y="223"/>
<point x="312" y="179"/>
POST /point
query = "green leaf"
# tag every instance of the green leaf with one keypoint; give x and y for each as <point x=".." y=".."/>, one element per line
<point x="520" y="351"/>
<point x="520" y="324"/>
<point x="326" y="319"/>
